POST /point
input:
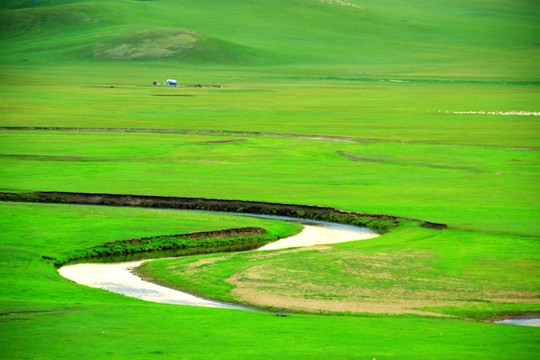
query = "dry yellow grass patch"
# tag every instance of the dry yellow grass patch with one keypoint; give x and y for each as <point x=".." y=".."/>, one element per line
<point x="307" y="287"/>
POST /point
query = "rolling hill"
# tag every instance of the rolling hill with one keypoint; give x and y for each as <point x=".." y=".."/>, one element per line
<point x="448" y="37"/>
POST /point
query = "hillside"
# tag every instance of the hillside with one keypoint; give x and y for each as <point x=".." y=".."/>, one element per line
<point x="449" y="37"/>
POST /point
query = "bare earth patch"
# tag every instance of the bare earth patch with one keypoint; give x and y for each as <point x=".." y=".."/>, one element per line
<point x="244" y="292"/>
<point x="225" y="141"/>
<point x="371" y="283"/>
<point x="195" y="267"/>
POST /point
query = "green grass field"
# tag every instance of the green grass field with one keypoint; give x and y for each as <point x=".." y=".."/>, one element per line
<point x="407" y="271"/>
<point x="468" y="187"/>
<point x="380" y="83"/>
<point x="67" y="320"/>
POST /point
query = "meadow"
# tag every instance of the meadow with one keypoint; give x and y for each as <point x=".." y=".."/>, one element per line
<point x="46" y="316"/>
<point x="408" y="271"/>
<point x="352" y="107"/>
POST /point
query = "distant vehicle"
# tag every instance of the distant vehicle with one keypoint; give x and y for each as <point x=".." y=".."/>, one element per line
<point x="171" y="82"/>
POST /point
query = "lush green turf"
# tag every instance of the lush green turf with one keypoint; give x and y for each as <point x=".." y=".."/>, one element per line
<point x="66" y="320"/>
<point x="269" y="100"/>
<point x="110" y="225"/>
<point x="468" y="187"/>
<point x="117" y="330"/>
<point x="38" y="222"/>
<point x="386" y="74"/>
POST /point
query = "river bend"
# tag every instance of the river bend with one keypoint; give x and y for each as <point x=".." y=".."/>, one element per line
<point x="118" y="278"/>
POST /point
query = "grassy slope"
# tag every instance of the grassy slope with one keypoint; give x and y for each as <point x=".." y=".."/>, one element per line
<point x="329" y="69"/>
<point x="88" y="323"/>
<point x="447" y="37"/>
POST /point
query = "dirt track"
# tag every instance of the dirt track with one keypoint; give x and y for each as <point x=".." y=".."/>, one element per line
<point x="241" y="133"/>
<point x="198" y="132"/>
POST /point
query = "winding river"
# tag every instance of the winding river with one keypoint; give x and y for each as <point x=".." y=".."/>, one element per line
<point x="117" y="277"/>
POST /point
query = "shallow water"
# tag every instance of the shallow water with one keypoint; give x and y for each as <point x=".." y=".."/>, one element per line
<point x="522" y="322"/>
<point x="318" y="234"/>
<point x="118" y="278"/>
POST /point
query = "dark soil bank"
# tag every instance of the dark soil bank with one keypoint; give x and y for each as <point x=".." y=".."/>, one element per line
<point x="215" y="234"/>
<point x="378" y="222"/>
<point x="202" y="242"/>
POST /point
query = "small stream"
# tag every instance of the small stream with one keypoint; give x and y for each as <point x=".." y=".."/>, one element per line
<point x="522" y="322"/>
<point x="117" y="277"/>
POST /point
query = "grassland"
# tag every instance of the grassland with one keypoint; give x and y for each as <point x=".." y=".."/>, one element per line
<point x="30" y="231"/>
<point x="410" y="270"/>
<point x="271" y="100"/>
<point x="379" y="79"/>
<point x="469" y="187"/>
<point x="64" y="319"/>
<point x="448" y="38"/>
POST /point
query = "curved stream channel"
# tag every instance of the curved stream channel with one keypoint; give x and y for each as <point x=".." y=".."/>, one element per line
<point x="117" y="277"/>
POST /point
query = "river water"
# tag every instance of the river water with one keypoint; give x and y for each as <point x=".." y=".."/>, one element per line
<point x="118" y="278"/>
<point x="523" y="322"/>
